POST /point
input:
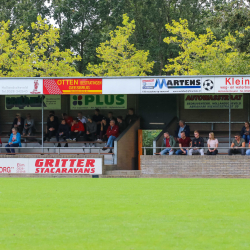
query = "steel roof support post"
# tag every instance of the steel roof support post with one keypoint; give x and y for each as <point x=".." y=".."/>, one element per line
<point x="42" y="122"/>
<point x="229" y="122"/>
<point x="248" y="108"/>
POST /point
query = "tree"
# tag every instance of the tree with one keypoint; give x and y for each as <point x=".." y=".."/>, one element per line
<point x="203" y="54"/>
<point x="83" y="26"/>
<point x="120" y="58"/>
<point x="231" y="17"/>
<point x="20" y="57"/>
<point x="22" y="12"/>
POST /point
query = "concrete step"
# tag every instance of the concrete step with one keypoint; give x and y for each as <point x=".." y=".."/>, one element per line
<point x="123" y="172"/>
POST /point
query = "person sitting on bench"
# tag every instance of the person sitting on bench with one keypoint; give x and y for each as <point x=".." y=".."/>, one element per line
<point x="197" y="145"/>
<point x="212" y="144"/>
<point x="103" y="132"/>
<point x="63" y="132"/>
<point x="14" y="141"/>
<point x="167" y="144"/>
<point x="68" y="119"/>
<point x="237" y="146"/>
<point x="18" y="123"/>
<point x="112" y="133"/>
<point x="29" y="125"/>
<point x="121" y="124"/>
<point x="77" y="130"/>
<point x="184" y="143"/>
<point x="52" y="127"/>
<point x="91" y="129"/>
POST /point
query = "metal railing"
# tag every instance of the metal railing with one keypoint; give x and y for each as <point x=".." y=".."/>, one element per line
<point x="188" y="148"/>
<point x="59" y="149"/>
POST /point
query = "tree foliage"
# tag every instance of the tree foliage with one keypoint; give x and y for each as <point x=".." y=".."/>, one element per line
<point x="120" y="57"/>
<point x="20" y="57"/>
<point x="203" y="54"/>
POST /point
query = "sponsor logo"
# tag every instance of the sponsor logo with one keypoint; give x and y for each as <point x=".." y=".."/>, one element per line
<point x="208" y="85"/>
<point x="36" y="85"/>
<point x="167" y="84"/>
<point x="5" y="170"/>
<point x="65" y="166"/>
<point x="20" y="168"/>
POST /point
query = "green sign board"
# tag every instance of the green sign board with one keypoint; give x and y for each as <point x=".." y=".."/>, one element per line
<point x="32" y="102"/>
<point x="83" y="102"/>
<point x="208" y="101"/>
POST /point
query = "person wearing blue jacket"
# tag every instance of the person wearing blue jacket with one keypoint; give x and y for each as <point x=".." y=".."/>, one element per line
<point x="182" y="128"/>
<point x="14" y="141"/>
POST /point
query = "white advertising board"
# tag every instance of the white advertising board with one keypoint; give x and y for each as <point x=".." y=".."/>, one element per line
<point x="170" y="85"/>
<point x="51" y="166"/>
<point x="232" y="84"/>
<point x="21" y="86"/>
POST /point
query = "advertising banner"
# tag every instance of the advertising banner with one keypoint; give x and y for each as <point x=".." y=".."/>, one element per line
<point x="51" y="166"/>
<point x="170" y="85"/>
<point x="72" y="86"/>
<point x="21" y="86"/>
<point x="232" y="85"/>
<point x="33" y="102"/>
<point x="83" y="102"/>
<point x="208" y="101"/>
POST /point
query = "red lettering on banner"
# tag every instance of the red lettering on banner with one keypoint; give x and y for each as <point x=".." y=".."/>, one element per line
<point x="228" y="81"/>
<point x="39" y="163"/>
<point x="46" y="170"/>
<point x="92" y="171"/>
<point x="70" y="171"/>
<point x="72" y="161"/>
<point x="37" y="170"/>
<point x="237" y="82"/>
<point x="64" y="170"/>
<point x="57" y="163"/>
<point x="80" y="163"/>
<point x="42" y="169"/>
<point x="64" y="161"/>
<point x="76" y="170"/>
<point x="86" y="170"/>
<point x="90" y="163"/>
<point x="58" y="171"/>
<point x="80" y="170"/>
<point x="48" y="163"/>
<point x="52" y="171"/>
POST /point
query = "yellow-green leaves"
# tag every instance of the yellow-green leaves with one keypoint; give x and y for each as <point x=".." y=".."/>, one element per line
<point x="203" y="54"/>
<point x="26" y="56"/>
<point x="119" y="57"/>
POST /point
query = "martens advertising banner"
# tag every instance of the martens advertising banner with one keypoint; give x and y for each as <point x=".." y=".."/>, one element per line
<point x="51" y="166"/>
<point x="208" y="101"/>
<point x="171" y="85"/>
<point x="72" y="86"/>
<point x="32" y="102"/>
<point x="83" y="102"/>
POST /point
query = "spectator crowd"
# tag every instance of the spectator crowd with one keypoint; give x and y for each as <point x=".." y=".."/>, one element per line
<point x="186" y="146"/>
<point x="88" y="129"/>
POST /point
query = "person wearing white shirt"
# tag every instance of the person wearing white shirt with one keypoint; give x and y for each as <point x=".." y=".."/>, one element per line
<point x="82" y="118"/>
<point x="212" y="145"/>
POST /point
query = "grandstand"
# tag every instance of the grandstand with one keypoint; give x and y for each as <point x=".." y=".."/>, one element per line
<point x="157" y="106"/>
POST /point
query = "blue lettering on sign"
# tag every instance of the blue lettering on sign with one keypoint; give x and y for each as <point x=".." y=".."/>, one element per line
<point x="157" y="82"/>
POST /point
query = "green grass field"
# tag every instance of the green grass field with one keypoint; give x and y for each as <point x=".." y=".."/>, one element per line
<point x="43" y="214"/>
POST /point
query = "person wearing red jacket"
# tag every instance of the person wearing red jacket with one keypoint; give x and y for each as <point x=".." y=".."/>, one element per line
<point x="112" y="134"/>
<point x="77" y="130"/>
<point x="68" y="119"/>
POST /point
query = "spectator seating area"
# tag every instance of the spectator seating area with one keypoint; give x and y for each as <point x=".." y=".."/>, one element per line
<point x="220" y="130"/>
<point x="32" y="144"/>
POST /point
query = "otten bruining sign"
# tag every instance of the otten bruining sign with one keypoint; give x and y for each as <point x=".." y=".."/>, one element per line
<point x="51" y="166"/>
